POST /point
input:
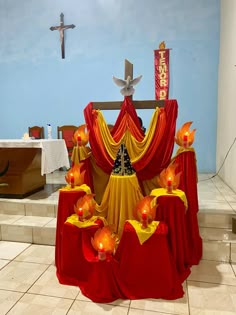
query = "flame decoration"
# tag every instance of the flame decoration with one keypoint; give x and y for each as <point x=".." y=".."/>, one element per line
<point x="185" y="129"/>
<point x="106" y="237"/>
<point x="88" y="204"/>
<point x="169" y="172"/>
<point x="78" y="175"/>
<point x="84" y="135"/>
<point x="162" y="45"/>
<point x="145" y="204"/>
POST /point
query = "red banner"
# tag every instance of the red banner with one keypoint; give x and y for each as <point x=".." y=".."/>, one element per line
<point x="161" y="62"/>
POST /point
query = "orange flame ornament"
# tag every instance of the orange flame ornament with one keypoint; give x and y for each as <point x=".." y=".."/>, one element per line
<point x="77" y="174"/>
<point x="169" y="179"/>
<point x="144" y="209"/>
<point x="104" y="240"/>
<point x="87" y="204"/>
<point x="184" y="137"/>
<point x="81" y="136"/>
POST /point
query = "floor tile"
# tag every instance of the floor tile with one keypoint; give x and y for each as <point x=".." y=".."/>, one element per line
<point x="216" y="250"/>
<point x="178" y="307"/>
<point x="39" y="305"/>
<point x="41" y="254"/>
<point x="39" y="209"/>
<point x="214" y="272"/>
<point x="7" y="300"/>
<point x="20" y="276"/>
<point x="9" y="219"/>
<point x="233" y="253"/>
<point x="17" y="232"/>
<point x="45" y="235"/>
<point x="217" y="234"/>
<point x="33" y="221"/>
<point x="3" y="263"/>
<point x="9" y="250"/>
<point x="12" y="207"/>
<point x="88" y="308"/>
<point x="133" y="311"/>
<point x="118" y="302"/>
<point x="205" y="298"/>
<point x="48" y="284"/>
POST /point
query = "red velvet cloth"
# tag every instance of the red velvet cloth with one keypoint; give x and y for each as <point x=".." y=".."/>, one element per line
<point x="66" y="202"/>
<point x="137" y="271"/>
<point x="188" y="183"/>
<point x="160" y="150"/>
<point x="171" y="210"/>
<point x="148" y="270"/>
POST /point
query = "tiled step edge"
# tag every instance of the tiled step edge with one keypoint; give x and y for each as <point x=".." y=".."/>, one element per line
<point x="43" y="235"/>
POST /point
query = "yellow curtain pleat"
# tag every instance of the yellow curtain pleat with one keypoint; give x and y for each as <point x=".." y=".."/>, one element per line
<point x="120" y="198"/>
<point x="100" y="180"/>
<point x="136" y="149"/>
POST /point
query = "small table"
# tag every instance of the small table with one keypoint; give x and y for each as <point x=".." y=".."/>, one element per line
<point x="28" y="161"/>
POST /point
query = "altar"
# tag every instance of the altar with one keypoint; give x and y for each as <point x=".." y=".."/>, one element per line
<point x="127" y="223"/>
<point x="25" y="163"/>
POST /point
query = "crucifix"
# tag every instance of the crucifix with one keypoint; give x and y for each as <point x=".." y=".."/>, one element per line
<point x="150" y="104"/>
<point x="61" y="28"/>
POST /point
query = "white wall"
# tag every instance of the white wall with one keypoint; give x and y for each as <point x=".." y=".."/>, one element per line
<point x="226" y="126"/>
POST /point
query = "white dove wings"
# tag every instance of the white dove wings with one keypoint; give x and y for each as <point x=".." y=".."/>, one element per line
<point x="127" y="85"/>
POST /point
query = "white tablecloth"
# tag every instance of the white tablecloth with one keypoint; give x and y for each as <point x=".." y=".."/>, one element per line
<point x="54" y="152"/>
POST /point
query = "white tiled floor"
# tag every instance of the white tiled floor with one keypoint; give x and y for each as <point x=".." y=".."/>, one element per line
<point x="28" y="282"/>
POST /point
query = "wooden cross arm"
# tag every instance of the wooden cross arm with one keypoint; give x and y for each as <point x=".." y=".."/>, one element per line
<point x="152" y="104"/>
<point x="61" y="27"/>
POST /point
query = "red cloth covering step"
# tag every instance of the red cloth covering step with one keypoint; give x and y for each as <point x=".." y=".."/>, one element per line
<point x="66" y="202"/>
<point x="135" y="272"/>
<point x="172" y="211"/>
<point x="148" y="270"/>
<point x="74" y="268"/>
<point x="186" y="161"/>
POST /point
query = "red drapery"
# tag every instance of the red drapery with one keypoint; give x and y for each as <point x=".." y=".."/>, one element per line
<point x="160" y="150"/>
<point x="186" y="161"/>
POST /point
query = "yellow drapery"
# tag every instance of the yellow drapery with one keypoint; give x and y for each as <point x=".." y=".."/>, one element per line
<point x="83" y="187"/>
<point x="144" y="234"/>
<point x="73" y="219"/>
<point x="162" y="192"/>
<point x="120" y="198"/>
<point x="136" y="149"/>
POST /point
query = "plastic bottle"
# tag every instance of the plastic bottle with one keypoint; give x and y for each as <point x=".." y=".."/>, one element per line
<point x="49" y="131"/>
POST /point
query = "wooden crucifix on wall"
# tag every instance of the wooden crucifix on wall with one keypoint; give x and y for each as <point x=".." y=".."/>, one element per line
<point x="61" y="28"/>
<point x="149" y="104"/>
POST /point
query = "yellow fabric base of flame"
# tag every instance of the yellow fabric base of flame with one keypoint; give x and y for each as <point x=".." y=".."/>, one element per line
<point x="144" y="234"/>
<point x="162" y="192"/>
<point x="73" y="219"/>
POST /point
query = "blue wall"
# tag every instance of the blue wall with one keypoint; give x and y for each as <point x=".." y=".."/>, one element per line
<point x="38" y="87"/>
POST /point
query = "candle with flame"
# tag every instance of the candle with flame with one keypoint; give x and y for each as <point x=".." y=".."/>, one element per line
<point x="169" y="185"/>
<point x="72" y="180"/>
<point x="78" y="139"/>
<point x="101" y="252"/>
<point x="81" y="214"/>
<point x="144" y="219"/>
<point x="185" y="140"/>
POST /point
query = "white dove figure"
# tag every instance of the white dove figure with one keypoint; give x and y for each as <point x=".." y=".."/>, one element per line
<point x="127" y="85"/>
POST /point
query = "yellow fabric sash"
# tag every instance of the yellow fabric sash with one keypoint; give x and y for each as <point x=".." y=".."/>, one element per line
<point x="73" y="219"/>
<point x="80" y="153"/>
<point x="135" y="148"/>
<point x="83" y="187"/>
<point x="144" y="234"/>
<point x="162" y="192"/>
